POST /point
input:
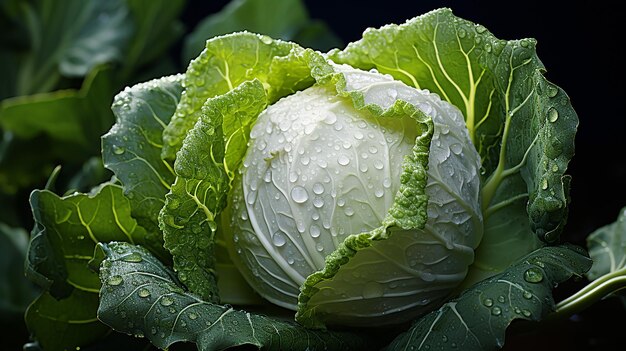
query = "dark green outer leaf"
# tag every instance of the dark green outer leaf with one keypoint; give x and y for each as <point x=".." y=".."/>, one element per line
<point x="67" y="230"/>
<point x="477" y="320"/>
<point x="607" y="248"/>
<point x="142" y="298"/>
<point x="16" y="292"/>
<point x="65" y="324"/>
<point x="522" y="126"/>
<point x="132" y="149"/>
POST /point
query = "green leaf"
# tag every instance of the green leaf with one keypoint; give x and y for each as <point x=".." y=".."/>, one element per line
<point x="16" y="292"/>
<point x="132" y="148"/>
<point x="281" y="19"/>
<point x="67" y="230"/>
<point x="44" y="129"/>
<point x="70" y="40"/>
<point x="477" y="319"/>
<point x="210" y="153"/>
<point x="76" y="117"/>
<point x="522" y="125"/>
<point x="607" y="248"/>
<point x="227" y="62"/>
<point x="144" y="299"/>
<point x="66" y="324"/>
<point x="156" y="28"/>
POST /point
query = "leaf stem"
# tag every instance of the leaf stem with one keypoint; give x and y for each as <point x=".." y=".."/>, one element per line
<point x="595" y="291"/>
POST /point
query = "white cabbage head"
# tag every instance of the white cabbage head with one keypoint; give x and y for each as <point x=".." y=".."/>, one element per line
<point x="318" y="170"/>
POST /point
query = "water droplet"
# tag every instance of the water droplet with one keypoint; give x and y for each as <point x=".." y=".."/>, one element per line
<point x="372" y="149"/>
<point x="193" y="316"/>
<point x="118" y="150"/>
<point x="555" y="168"/>
<point x="526" y="313"/>
<point x="378" y="164"/>
<point x="266" y="40"/>
<point x="318" y="188"/>
<point x="315" y="231"/>
<point x="372" y="290"/>
<point x="279" y="239"/>
<point x="496" y="311"/>
<point x="544" y="184"/>
<point x="480" y="28"/>
<point x="456" y="149"/>
<point x="501" y="299"/>
<point x="166" y="301"/>
<point x="551" y="90"/>
<point x="319" y="247"/>
<point x="488" y="302"/>
<point x="318" y="202"/>
<point x="461" y="33"/>
<point x="533" y="275"/>
<point x="115" y="280"/>
<point x="379" y="193"/>
<point x="349" y="211"/>
<point x="553" y="115"/>
<point x="330" y="117"/>
<point x="133" y="258"/>
<point x="527" y="295"/>
<point x="387" y="182"/>
<point x="358" y="136"/>
<point x="143" y="292"/>
<point x="343" y="160"/>
<point x="341" y="202"/>
<point x="488" y="47"/>
<point x="153" y="331"/>
<point x="299" y="194"/>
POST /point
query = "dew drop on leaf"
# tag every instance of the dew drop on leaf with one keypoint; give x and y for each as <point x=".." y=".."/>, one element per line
<point x="553" y="115"/>
<point x="115" y="280"/>
<point x="133" y="258"/>
<point x="533" y="275"/>
<point x="143" y="293"/>
<point x="496" y="311"/>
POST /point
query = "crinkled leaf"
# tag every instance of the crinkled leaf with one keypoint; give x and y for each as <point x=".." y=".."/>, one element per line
<point x="65" y="324"/>
<point x="275" y="18"/>
<point x="282" y="19"/>
<point x="226" y="62"/>
<point x="522" y="125"/>
<point x="143" y="298"/>
<point x="68" y="228"/>
<point x="477" y="320"/>
<point x="212" y="150"/>
<point x="607" y="248"/>
<point x="132" y="148"/>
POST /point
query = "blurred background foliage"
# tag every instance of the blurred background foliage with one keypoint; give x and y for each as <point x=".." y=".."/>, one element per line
<point x="62" y="61"/>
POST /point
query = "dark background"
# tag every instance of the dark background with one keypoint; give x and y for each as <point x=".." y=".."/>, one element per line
<point x="581" y="44"/>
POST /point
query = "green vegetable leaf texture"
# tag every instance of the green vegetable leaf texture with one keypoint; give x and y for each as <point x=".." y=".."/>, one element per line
<point x="66" y="232"/>
<point x="147" y="293"/>
<point x="477" y="319"/>
<point x="132" y="149"/>
<point x="211" y="151"/>
<point x="66" y="323"/>
<point x="281" y="19"/>
<point x="226" y="62"/>
<point x="522" y="125"/>
<point x="607" y="248"/>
